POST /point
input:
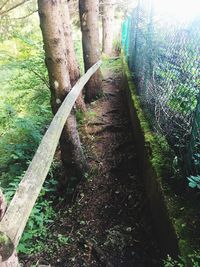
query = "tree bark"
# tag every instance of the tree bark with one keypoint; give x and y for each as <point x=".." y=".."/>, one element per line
<point x="73" y="67"/>
<point x="89" y="12"/>
<point x="108" y="26"/>
<point x="56" y="62"/>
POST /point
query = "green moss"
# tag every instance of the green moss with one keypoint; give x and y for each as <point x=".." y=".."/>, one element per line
<point x="87" y="116"/>
<point x="112" y="64"/>
<point x="161" y="155"/>
<point x="3" y="239"/>
<point x="6" y="246"/>
<point x="161" y="159"/>
<point x="184" y="248"/>
<point x="80" y="117"/>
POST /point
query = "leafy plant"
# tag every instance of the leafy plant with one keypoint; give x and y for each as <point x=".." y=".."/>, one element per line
<point x="194" y="261"/>
<point x="25" y="113"/>
<point x="79" y="117"/>
<point x="184" y="98"/>
<point x="42" y="216"/>
<point x="63" y="239"/>
<point x="117" y="45"/>
<point x="170" y="262"/>
<point x="194" y="181"/>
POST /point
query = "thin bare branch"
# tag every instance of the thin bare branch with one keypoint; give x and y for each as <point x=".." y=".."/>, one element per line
<point x="2" y="6"/>
<point x="13" y="7"/>
<point x="41" y="77"/>
<point x="26" y="16"/>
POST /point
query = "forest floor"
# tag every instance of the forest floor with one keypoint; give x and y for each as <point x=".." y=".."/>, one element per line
<point x="108" y="222"/>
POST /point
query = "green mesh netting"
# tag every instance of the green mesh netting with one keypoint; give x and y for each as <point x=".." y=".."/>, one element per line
<point x="163" y="51"/>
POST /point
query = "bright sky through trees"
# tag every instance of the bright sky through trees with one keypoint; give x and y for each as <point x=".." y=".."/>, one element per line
<point x="181" y="9"/>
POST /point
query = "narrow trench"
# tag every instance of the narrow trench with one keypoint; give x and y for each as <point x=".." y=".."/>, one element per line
<point x="109" y="223"/>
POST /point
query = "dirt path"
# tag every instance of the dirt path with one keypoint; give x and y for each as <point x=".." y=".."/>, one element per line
<point x="109" y="223"/>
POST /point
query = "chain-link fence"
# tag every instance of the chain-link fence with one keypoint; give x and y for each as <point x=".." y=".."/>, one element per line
<point x="163" y="54"/>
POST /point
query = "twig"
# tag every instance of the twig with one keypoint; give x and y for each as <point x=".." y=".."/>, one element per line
<point x="2" y="6"/>
<point x="13" y="7"/>
<point x="28" y="15"/>
<point x="41" y="78"/>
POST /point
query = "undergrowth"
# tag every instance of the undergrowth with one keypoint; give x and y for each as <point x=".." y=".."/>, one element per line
<point x="194" y="261"/>
<point x="42" y="216"/>
<point x="112" y="64"/>
<point x="24" y="105"/>
<point x="25" y="114"/>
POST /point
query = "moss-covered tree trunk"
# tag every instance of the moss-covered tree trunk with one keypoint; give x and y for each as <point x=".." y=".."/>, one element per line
<point x="108" y="26"/>
<point x="56" y="62"/>
<point x="89" y="14"/>
<point x="73" y="67"/>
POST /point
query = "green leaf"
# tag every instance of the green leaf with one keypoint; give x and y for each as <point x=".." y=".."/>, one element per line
<point x="192" y="185"/>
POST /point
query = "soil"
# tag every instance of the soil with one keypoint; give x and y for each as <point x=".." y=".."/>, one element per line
<point x="108" y="222"/>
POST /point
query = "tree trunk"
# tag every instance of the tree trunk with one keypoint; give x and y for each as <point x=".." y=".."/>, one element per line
<point x="89" y="12"/>
<point x="108" y="26"/>
<point x="56" y="62"/>
<point x="73" y="67"/>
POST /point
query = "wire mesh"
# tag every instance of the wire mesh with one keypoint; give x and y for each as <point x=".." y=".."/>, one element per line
<point x="163" y="56"/>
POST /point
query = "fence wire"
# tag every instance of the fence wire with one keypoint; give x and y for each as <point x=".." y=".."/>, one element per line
<point x="163" y="55"/>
